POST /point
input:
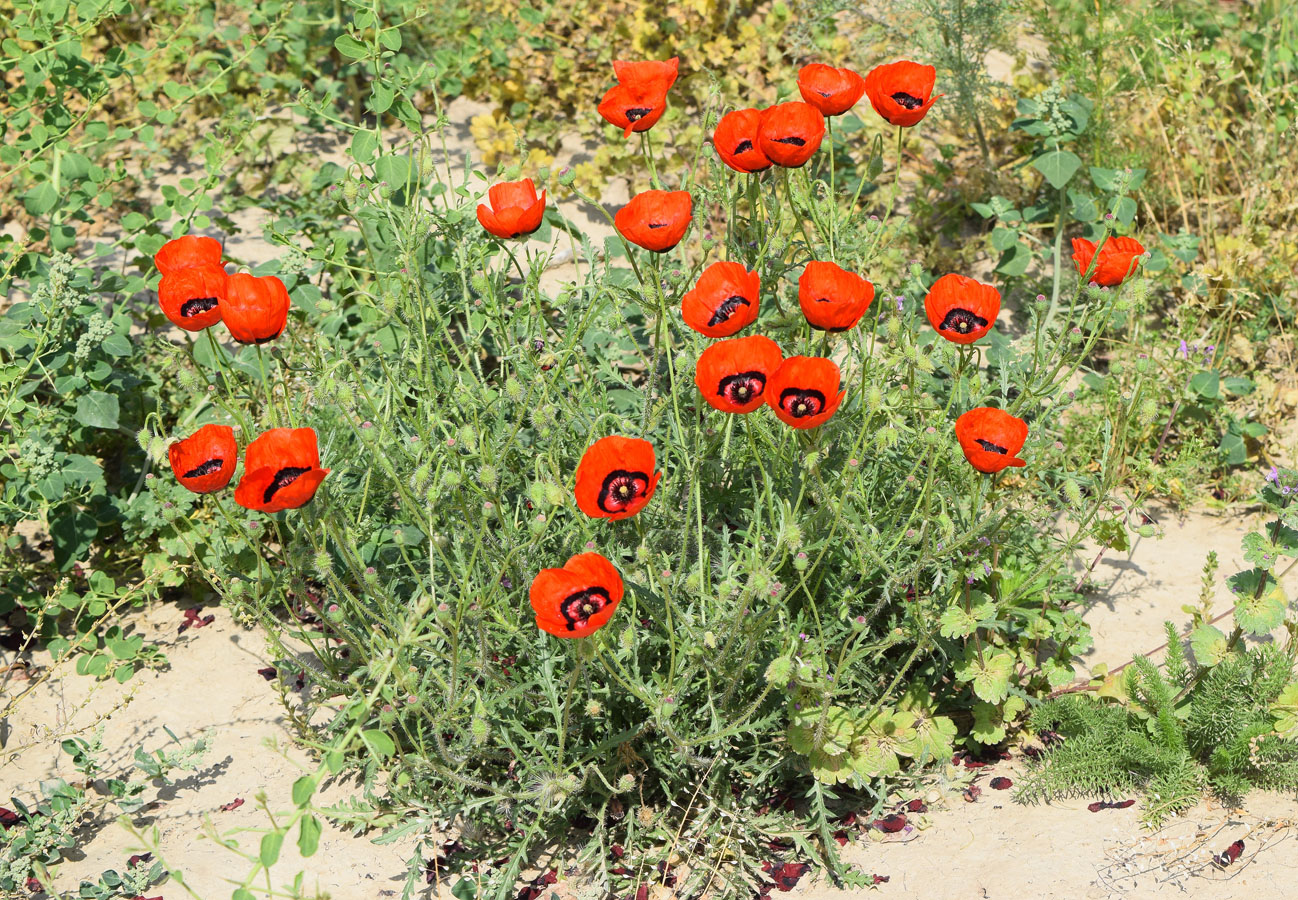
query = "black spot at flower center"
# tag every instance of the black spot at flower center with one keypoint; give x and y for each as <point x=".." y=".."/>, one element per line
<point x="990" y="447"/>
<point x="637" y="113"/>
<point x="657" y="224"/>
<point x="577" y="608"/>
<point x="283" y="478"/>
<point x="801" y="402"/>
<point x="268" y="338"/>
<point x="743" y="388"/>
<point x="727" y="309"/>
<point x="906" y="100"/>
<point x="825" y="94"/>
<point x="743" y="147"/>
<point x="962" y="320"/>
<point x="795" y="141"/>
<point x="620" y="489"/>
<point x="206" y="468"/>
<point x="196" y="306"/>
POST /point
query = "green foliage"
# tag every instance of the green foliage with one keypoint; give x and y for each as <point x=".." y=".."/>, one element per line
<point x="1223" y="720"/>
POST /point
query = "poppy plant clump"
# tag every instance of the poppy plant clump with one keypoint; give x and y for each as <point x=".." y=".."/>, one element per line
<point x="616" y="477"/>
<point x="655" y="220"/>
<point x="577" y="600"/>
<point x="515" y="210"/>
<point x="640" y="97"/>
<point x="725" y="300"/>
<point x="961" y="309"/>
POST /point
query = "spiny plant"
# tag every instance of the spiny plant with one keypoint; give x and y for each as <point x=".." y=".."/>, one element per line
<point x="1223" y="717"/>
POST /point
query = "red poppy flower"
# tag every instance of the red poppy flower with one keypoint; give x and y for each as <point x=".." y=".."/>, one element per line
<point x="204" y="461"/>
<point x="991" y="438"/>
<point x="789" y="134"/>
<point x="254" y="309"/>
<point x="961" y="309"/>
<point x="640" y="97"/>
<point x="187" y="252"/>
<point x="832" y="91"/>
<point x="577" y="600"/>
<point x="832" y="298"/>
<point x="515" y="209"/>
<point x="655" y="220"/>
<point x="732" y="375"/>
<point x="191" y="297"/>
<point x="724" y="300"/>
<point x="281" y="470"/>
<point x="616" y="477"/>
<point x="901" y="92"/>
<point x="736" y="141"/>
<point x="804" y="391"/>
<point x="1117" y="259"/>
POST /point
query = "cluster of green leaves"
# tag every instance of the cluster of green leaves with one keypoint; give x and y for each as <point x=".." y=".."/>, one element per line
<point x="48" y="829"/>
<point x="1224" y="717"/>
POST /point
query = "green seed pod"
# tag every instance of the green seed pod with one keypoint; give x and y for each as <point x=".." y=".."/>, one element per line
<point x="779" y="671"/>
<point x="479" y="730"/>
<point x="873" y="398"/>
<point x="886" y="437"/>
<point x="1073" y="493"/>
<point x="626" y="784"/>
<point x="593" y="709"/>
<point x="479" y="283"/>
<point x="791" y="535"/>
<point x="513" y="389"/>
<point x="892" y="328"/>
<point x="488" y="476"/>
<point x="323" y="564"/>
<point x="642" y="554"/>
<point x="351" y="190"/>
<point x="555" y="495"/>
<point x="1148" y="410"/>
<point x="419" y="480"/>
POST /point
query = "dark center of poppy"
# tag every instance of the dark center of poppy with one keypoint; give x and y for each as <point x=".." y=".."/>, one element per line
<point x="906" y="100"/>
<point x="638" y="112"/>
<point x="620" y="489"/>
<point x="268" y="338"/>
<point x="962" y="320"/>
<point x="206" y="468"/>
<point x="743" y="388"/>
<point x="743" y="147"/>
<point x="795" y="141"/>
<point x="727" y="309"/>
<point x="657" y="224"/>
<point x="801" y="402"/>
<point x="990" y="447"/>
<point x="196" y="306"/>
<point x="824" y="93"/>
<point x="577" y="608"/>
<point x="283" y="478"/>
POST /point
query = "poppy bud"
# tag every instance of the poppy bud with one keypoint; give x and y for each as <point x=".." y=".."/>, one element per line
<point x="779" y="671"/>
<point x="873" y="398"/>
<point x="1148" y="411"/>
<point x="513" y="389"/>
<point x="255" y="309"/>
<point x="642" y="554"/>
<point x="593" y="709"/>
<point x="479" y="730"/>
<point x="323" y="564"/>
<point x="1073" y="493"/>
<point x="1117" y="259"/>
<point x="487" y="476"/>
<point x="626" y="783"/>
